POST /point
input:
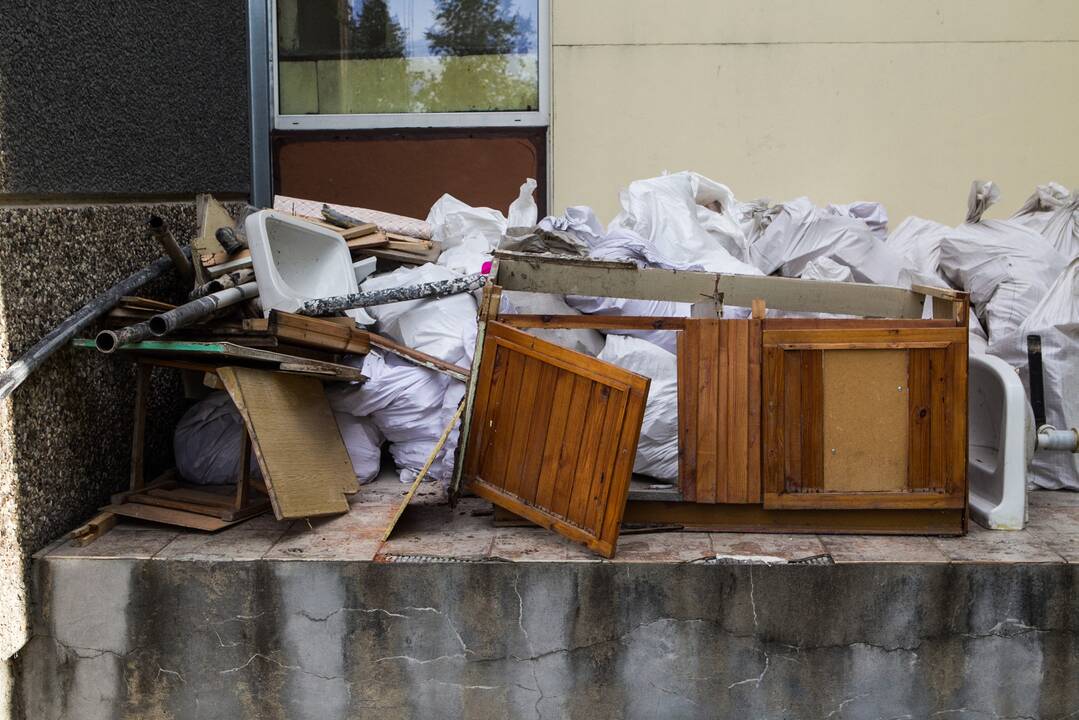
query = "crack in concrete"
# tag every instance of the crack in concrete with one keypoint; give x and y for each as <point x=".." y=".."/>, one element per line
<point x="756" y="680"/>
<point x="843" y="704"/>
<point x="281" y="665"/>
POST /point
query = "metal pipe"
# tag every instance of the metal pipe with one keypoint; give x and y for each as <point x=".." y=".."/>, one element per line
<point x="215" y="285"/>
<point x="1037" y="385"/>
<point x="108" y="341"/>
<point x="441" y="288"/>
<point x="1049" y="438"/>
<point x="196" y="310"/>
<point x="62" y="334"/>
<point x="160" y="231"/>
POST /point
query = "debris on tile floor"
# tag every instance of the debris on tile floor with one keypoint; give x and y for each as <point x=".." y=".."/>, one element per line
<point x="764" y="369"/>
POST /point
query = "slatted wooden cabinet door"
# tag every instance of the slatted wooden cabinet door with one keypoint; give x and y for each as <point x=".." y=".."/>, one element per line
<point x="865" y="418"/>
<point x="554" y="435"/>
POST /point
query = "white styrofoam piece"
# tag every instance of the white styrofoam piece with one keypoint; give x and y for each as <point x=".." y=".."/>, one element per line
<point x="363" y="268"/>
<point x="1000" y="444"/>
<point x="296" y="261"/>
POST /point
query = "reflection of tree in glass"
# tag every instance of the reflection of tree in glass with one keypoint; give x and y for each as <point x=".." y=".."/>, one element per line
<point x="375" y="33"/>
<point x="478" y="41"/>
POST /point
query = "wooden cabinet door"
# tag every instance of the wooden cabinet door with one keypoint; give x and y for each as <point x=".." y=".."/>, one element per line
<point x="554" y="435"/>
<point x="865" y="418"/>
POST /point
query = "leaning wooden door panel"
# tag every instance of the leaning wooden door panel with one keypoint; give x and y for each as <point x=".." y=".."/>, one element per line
<point x="865" y="418"/>
<point x="554" y="435"/>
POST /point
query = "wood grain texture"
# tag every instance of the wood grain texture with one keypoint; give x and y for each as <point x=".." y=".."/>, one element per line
<point x="304" y="462"/>
<point x="554" y="436"/>
<point x="896" y="409"/>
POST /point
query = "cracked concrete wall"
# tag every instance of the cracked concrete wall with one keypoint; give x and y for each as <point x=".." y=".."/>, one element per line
<point x="297" y="639"/>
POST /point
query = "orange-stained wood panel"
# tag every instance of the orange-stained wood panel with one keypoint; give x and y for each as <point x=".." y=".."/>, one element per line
<point x="554" y="435"/>
<point x="719" y="378"/>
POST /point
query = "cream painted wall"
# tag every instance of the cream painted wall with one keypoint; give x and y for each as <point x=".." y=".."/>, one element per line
<point x="901" y="101"/>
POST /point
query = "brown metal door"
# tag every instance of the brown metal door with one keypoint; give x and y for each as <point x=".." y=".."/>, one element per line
<point x="554" y="435"/>
<point x="865" y="418"/>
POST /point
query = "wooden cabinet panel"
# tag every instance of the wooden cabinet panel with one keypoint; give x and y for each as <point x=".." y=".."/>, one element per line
<point x="719" y="380"/>
<point x="554" y="435"/>
<point x="865" y="418"/>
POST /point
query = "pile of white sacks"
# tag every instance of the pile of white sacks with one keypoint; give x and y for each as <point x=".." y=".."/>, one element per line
<point x="1022" y="274"/>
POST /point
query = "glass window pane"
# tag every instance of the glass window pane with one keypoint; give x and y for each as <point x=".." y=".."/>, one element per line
<point x="407" y="56"/>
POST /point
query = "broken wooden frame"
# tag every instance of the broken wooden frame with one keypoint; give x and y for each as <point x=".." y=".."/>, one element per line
<point x="759" y="399"/>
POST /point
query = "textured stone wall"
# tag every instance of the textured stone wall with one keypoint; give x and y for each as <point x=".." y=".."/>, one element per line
<point x="308" y="639"/>
<point x="123" y="97"/>
<point x="108" y="112"/>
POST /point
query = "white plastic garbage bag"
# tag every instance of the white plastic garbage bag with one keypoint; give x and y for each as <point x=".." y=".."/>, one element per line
<point x="872" y="214"/>
<point x="1005" y="266"/>
<point x="1056" y="320"/>
<point x="918" y="241"/>
<point x="469" y="235"/>
<point x="364" y="444"/>
<point x="1062" y="229"/>
<point x="689" y="221"/>
<point x="1041" y="205"/>
<point x="409" y="405"/>
<point x="443" y="327"/>
<point x="657" y="449"/>
<point x="665" y="339"/>
<point x="583" y="340"/>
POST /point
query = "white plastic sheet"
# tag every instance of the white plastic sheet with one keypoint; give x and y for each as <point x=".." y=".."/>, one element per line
<point x="621" y="306"/>
<point x="409" y="405"/>
<point x="657" y="449"/>
<point x="1056" y="320"/>
<point x="469" y="234"/>
<point x="1005" y="266"/>
<point x="443" y="327"/>
<point x="918" y="241"/>
<point x="873" y="214"/>
<point x="585" y="341"/>
<point x="1040" y="206"/>
<point x="688" y="220"/>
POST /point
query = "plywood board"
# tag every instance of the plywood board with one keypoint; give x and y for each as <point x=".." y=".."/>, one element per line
<point x="298" y="446"/>
<point x="866" y="420"/>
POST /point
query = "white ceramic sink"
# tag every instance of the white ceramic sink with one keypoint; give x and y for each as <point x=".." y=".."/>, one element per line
<point x="296" y="261"/>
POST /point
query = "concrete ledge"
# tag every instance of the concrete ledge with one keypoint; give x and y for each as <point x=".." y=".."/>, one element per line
<point x="289" y="639"/>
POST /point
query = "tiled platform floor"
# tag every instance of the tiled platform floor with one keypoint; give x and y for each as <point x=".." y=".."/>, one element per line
<point x="431" y="528"/>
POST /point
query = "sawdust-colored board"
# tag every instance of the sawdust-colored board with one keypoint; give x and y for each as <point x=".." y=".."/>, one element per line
<point x="866" y="426"/>
<point x="299" y="449"/>
<point x="170" y="516"/>
<point x="554" y="435"/>
<point x="865" y="418"/>
<point x="719" y="411"/>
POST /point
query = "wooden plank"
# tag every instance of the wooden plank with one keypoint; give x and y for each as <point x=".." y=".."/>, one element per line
<point x="738" y="447"/>
<point x="536" y="441"/>
<point x="419" y="358"/>
<point x="792" y="421"/>
<point x="773" y="407"/>
<point x="579" y="411"/>
<point x="885" y="338"/>
<point x="304" y="463"/>
<point x="593" y="322"/>
<point x="688" y="341"/>
<point x="94" y="529"/>
<point x="921" y="422"/>
<point x="522" y="424"/>
<point x="317" y="333"/>
<point x="753" y="442"/>
<point x="813" y="409"/>
<point x="552" y="450"/>
<point x="956" y="483"/>
<point x="176" y="504"/>
<point x="584" y="473"/>
<point x="502" y="415"/>
<point x="168" y="516"/>
<point x="708" y="418"/>
<point x="520" y="271"/>
<point x="852" y="324"/>
<point x="606" y="458"/>
<point x="722" y="400"/>
<point x="138" y="432"/>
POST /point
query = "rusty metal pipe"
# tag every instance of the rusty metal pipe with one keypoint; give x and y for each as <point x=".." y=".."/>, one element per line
<point x="108" y="341"/>
<point x="160" y="232"/>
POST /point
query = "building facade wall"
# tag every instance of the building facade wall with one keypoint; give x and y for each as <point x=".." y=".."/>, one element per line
<point x="899" y="102"/>
<point x="108" y="112"/>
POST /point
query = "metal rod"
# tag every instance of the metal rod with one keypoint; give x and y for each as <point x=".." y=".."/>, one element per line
<point x="1037" y="385"/>
<point x="108" y="341"/>
<point x="62" y="334"/>
<point x="160" y="231"/>
<point x="440" y="288"/>
<point x="203" y="307"/>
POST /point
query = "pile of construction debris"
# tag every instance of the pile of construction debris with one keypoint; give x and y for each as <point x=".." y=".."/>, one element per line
<point x="384" y="307"/>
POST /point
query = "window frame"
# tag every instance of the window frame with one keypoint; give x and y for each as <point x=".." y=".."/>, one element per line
<point x="366" y="121"/>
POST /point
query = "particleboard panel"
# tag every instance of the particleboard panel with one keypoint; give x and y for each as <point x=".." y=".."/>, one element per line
<point x="866" y="424"/>
<point x="554" y="435"/>
<point x="719" y="411"/>
<point x="299" y="449"/>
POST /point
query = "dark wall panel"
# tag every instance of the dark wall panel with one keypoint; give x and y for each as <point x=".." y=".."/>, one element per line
<point x="406" y="171"/>
<point x="123" y="97"/>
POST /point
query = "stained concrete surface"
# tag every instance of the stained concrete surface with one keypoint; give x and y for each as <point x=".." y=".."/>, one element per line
<point x="123" y="98"/>
<point x="153" y="622"/>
